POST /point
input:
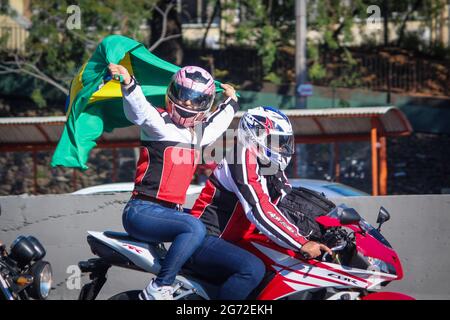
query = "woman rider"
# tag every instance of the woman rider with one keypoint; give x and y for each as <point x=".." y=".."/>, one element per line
<point x="172" y="139"/>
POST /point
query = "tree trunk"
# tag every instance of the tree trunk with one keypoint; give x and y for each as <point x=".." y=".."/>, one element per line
<point x="171" y="50"/>
<point x="401" y="32"/>
<point x="211" y="19"/>
<point x="386" y="22"/>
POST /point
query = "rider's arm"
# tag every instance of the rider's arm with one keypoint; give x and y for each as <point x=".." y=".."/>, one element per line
<point x="216" y="124"/>
<point x="259" y="209"/>
<point x="141" y="112"/>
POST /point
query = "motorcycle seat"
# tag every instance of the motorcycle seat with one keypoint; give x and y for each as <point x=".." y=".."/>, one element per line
<point x="123" y="236"/>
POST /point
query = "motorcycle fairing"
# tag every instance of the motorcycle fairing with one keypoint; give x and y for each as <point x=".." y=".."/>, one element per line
<point x="294" y="275"/>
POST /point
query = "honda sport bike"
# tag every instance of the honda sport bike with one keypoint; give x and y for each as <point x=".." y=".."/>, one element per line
<point x="362" y="263"/>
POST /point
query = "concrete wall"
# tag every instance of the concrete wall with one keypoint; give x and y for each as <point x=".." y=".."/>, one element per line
<point x="419" y="230"/>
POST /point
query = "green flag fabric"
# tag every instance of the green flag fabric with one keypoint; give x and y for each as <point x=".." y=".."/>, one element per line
<point x="95" y="106"/>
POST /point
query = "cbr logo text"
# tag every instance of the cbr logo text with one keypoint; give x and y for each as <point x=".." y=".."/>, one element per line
<point x="346" y="279"/>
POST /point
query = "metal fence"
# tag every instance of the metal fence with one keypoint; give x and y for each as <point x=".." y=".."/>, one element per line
<point x="398" y="72"/>
<point x="239" y="64"/>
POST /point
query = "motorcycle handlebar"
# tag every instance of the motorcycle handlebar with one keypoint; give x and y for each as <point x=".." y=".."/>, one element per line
<point x="334" y="249"/>
<point x="340" y="247"/>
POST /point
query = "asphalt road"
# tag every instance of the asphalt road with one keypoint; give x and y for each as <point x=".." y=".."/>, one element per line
<point x="419" y="230"/>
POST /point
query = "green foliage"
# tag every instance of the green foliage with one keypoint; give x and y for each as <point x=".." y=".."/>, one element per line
<point x="316" y="71"/>
<point x="334" y="21"/>
<point x="350" y="75"/>
<point x="274" y="78"/>
<point x="38" y="99"/>
<point x="5" y="8"/>
<point x="269" y="25"/>
<point x="264" y="25"/>
<point x="58" y="51"/>
<point x="267" y="46"/>
<point x="343" y="104"/>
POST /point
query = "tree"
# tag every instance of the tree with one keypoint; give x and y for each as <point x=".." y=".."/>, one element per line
<point x="265" y="25"/>
<point x="432" y="16"/>
<point x="334" y="21"/>
<point x="269" y="26"/>
<point x="166" y="32"/>
<point x="55" y="50"/>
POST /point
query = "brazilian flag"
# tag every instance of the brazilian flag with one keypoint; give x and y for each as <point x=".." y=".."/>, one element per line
<point x="95" y="105"/>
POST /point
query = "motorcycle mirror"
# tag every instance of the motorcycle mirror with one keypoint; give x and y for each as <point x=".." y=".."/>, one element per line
<point x="383" y="216"/>
<point x="349" y="216"/>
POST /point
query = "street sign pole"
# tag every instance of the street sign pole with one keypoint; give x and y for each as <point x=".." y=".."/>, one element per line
<point x="300" y="52"/>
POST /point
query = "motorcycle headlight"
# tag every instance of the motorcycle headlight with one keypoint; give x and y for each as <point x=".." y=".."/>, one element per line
<point x="22" y="251"/>
<point x="42" y="280"/>
<point x="45" y="281"/>
<point x="381" y="266"/>
<point x="38" y="248"/>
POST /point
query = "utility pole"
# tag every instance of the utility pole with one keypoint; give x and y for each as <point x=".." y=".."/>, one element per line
<point x="386" y="44"/>
<point x="300" y="52"/>
<point x="301" y="78"/>
<point x="386" y="22"/>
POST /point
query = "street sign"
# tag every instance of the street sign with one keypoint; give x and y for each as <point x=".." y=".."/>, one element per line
<point x="305" y="90"/>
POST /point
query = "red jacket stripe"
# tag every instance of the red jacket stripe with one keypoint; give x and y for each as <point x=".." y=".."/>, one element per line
<point x="142" y="165"/>
<point x="204" y="200"/>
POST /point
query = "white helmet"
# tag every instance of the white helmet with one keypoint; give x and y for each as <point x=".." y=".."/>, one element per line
<point x="267" y="132"/>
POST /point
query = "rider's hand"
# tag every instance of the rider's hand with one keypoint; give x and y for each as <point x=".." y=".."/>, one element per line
<point x="117" y="69"/>
<point x="314" y="249"/>
<point x="228" y="91"/>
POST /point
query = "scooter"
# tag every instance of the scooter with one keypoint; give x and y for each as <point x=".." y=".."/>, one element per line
<point x="362" y="263"/>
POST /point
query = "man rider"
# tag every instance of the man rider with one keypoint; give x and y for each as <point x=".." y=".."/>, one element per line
<point x="240" y="195"/>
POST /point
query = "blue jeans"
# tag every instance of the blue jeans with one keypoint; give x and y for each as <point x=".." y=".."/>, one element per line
<point x="238" y="269"/>
<point x="151" y="222"/>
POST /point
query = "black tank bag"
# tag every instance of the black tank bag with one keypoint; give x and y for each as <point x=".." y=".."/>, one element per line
<point x="302" y="206"/>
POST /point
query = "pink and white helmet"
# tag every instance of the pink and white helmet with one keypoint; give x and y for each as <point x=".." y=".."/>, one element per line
<point x="190" y="96"/>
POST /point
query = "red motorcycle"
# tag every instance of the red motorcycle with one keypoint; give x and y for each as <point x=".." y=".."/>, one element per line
<point x="362" y="263"/>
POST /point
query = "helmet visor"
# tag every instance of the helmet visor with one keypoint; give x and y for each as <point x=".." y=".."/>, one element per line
<point x="188" y="98"/>
<point x="281" y="144"/>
